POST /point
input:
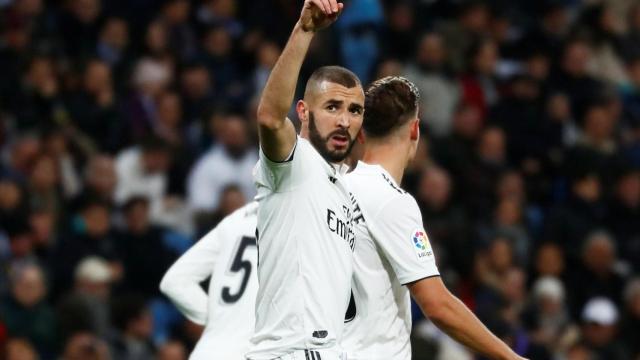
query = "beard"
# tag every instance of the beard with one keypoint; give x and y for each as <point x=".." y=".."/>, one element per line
<point x="321" y="144"/>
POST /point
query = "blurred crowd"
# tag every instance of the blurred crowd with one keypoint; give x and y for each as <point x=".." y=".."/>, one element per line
<point x="127" y="131"/>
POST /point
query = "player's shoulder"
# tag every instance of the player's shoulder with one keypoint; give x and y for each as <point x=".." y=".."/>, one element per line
<point x="374" y="180"/>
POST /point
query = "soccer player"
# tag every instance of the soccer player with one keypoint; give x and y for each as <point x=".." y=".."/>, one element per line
<point x="229" y="255"/>
<point x="393" y="256"/>
<point x="305" y="241"/>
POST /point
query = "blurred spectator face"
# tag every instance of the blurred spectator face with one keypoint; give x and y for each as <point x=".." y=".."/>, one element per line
<point x="101" y="175"/>
<point x="511" y="185"/>
<point x="632" y="298"/>
<point x="607" y="21"/>
<point x="587" y="188"/>
<point x="170" y="110"/>
<point x="598" y="124"/>
<point x="44" y="176"/>
<point x="196" y="82"/>
<point x="42" y="223"/>
<point x="556" y="20"/>
<point x="141" y="327"/>
<point x="633" y="71"/>
<point x="500" y="255"/>
<point x="156" y="38"/>
<point x="599" y="253"/>
<point x="485" y="60"/>
<point x="431" y="52"/>
<point x="526" y="89"/>
<point x="599" y="318"/>
<point x="234" y="135"/>
<point x="231" y="200"/>
<point x="538" y="67"/>
<point x="508" y="212"/>
<point x="85" y="346"/>
<point x="176" y="12"/>
<point x="21" y="243"/>
<point x="23" y="153"/>
<point x="492" y="146"/>
<point x="96" y="219"/>
<point x="55" y="144"/>
<point x="401" y="17"/>
<point x="579" y="352"/>
<point x="435" y="188"/>
<point x="156" y="161"/>
<point x="93" y="277"/>
<point x="558" y="108"/>
<point x="151" y="77"/>
<point x="549" y="295"/>
<point x="172" y="350"/>
<point x="576" y="58"/>
<point x="97" y="77"/>
<point x="137" y="217"/>
<point x="42" y="77"/>
<point x="628" y="189"/>
<point x="86" y="11"/>
<point x="29" y="7"/>
<point x="217" y="42"/>
<point x="268" y="54"/>
<point x="467" y="121"/>
<point x="20" y="349"/>
<point x="514" y="287"/>
<point x="10" y="195"/>
<point x="475" y="18"/>
<point x="115" y="33"/>
<point x="389" y="67"/>
<point x="28" y="286"/>
<point x="634" y="18"/>
<point x="223" y="8"/>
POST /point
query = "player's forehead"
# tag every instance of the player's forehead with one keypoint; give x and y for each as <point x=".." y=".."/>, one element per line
<point x="328" y="91"/>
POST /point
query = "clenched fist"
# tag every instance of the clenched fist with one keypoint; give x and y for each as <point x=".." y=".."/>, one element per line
<point x="318" y="14"/>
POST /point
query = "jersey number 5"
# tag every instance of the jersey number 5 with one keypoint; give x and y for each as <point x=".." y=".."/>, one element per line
<point x="239" y="264"/>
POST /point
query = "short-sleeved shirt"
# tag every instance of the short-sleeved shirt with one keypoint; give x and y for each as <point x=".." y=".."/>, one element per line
<point x="392" y="250"/>
<point x="228" y="254"/>
<point x="305" y="253"/>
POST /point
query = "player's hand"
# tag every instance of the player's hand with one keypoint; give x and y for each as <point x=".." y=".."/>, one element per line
<point x="318" y="14"/>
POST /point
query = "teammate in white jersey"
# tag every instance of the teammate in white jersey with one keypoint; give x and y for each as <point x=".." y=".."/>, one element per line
<point x="393" y="256"/>
<point x="305" y="240"/>
<point x="228" y="254"/>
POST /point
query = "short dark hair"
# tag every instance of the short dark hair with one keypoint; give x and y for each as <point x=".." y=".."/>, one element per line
<point x="389" y="103"/>
<point x="333" y="74"/>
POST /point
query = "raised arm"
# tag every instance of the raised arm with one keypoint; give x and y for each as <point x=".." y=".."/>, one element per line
<point x="450" y="315"/>
<point x="277" y="133"/>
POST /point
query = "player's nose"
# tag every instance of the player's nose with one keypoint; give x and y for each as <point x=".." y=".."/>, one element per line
<point x="343" y="120"/>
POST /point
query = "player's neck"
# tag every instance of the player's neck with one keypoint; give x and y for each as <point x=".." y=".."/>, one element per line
<point x="392" y="157"/>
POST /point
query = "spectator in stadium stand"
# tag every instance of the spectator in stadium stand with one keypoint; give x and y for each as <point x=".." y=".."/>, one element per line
<point x="549" y="261"/>
<point x="85" y="346"/>
<point x="13" y="205"/>
<point x="175" y="15"/>
<point x="21" y="154"/>
<point x="448" y="222"/>
<point x="597" y="274"/>
<point x="573" y="77"/>
<point x="89" y="234"/>
<point x="87" y="307"/>
<point x="624" y="210"/>
<point x="401" y="35"/>
<point x="42" y="222"/>
<point x="630" y="327"/>
<point x="25" y="311"/>
<point x="79" y="26"/>
<point x="147" y="250"/>
<point x="631" y="40"/>
<point x="508" y="221"/>
<point x="549" y="34"/>
<point x="133" y="324"/>
<point x="93" y="107"/>
<point x="478" y="84"/>
<point x="19" y="248"/>
<point x="197" y="95"/>
<point x="546" y="316"/>
<point x="112" y="46"/>
<point x="492" y="266"/>
<point x="229" y="161"/>
<point x="600" y="318"/>
<point x="57" y="145"/>
<point x="100" y="180"/>
<point x="231" y="199"/>
<point x="439" y="90"/>
<point x="220" y="12"/>
<point x="217" y="55"/>
<point x="172" y="350"/>
<point x="569" y="223"/>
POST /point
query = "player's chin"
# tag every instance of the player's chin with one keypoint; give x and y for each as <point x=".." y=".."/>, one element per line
<point x="337" y="155"/>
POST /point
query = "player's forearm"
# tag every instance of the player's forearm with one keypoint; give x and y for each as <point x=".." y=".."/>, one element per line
<point x="279" y="91"/>
<point x="189" y="298"/>
<point x="457" y="321"/>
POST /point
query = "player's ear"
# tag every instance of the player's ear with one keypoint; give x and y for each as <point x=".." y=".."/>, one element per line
<point x="302" y="110"/>
<point x="360" y="137"/>
<point x="414" y="131"/>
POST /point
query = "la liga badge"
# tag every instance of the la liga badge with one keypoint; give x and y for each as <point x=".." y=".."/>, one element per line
<point x="421" y="245"/>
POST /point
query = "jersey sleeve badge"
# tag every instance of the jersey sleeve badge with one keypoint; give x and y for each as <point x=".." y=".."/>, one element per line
<point x="421" y="245"/>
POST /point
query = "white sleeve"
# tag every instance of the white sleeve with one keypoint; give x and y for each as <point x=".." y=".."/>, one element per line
<point x="182" y="281"/>
<point x="282" y="176"/>
<point x="403" y="240"/>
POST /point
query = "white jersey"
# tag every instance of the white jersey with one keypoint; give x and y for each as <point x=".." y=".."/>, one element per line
<point x="392" y="250"/>
<point x="228" y="254"/>
<point x="305" y="244"/>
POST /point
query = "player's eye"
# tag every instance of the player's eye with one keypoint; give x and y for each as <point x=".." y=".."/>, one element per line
<point x="356" y="111"/>
<point x="332" y="107"/>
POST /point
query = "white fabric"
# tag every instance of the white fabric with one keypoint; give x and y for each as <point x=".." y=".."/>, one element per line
<point x="228" y="254"/>
<point x="213" y="172"/>
<point x="322" y="354"/>
<point x="305" y="254"/>
<point x="392" y="250"/>
<point x="134" y="181"/>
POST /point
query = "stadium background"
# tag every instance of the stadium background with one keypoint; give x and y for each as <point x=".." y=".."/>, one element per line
<point x="127" y="131"/>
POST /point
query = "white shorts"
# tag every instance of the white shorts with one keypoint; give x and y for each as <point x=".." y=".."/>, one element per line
<point x="317" y="354"/>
